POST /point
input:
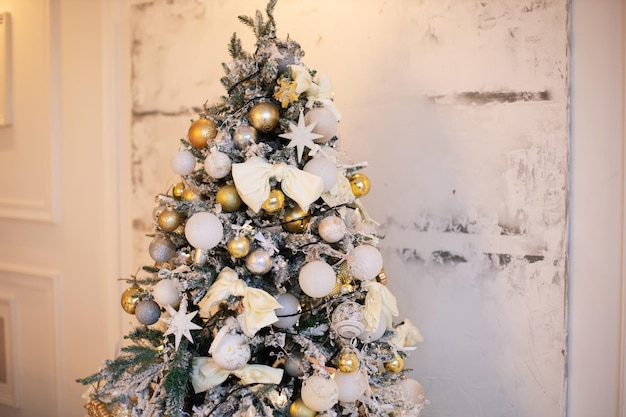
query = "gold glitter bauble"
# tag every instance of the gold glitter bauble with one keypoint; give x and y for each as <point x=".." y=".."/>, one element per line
<point x="348" y="361"/>
<point x="178" y="189"/>
<point x="382" y="277"/>
<point x="360" y="185"/>
<point x="201" y="132"/>
<point x="396" y="365"/>
<point x="264" y="116"/>
<point x="228" y="198"/>
<point x="295" y="220"/>
<point x="238" y="247"/>
<point x="131" y="297"/>
<point x="96" y="408"/>
<point x="169" y="220"/>
<point x="275" y="202"/>
<point x="299" y="409"/>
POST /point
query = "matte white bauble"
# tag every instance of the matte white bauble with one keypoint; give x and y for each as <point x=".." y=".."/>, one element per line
<point x="319" y="393"/>
<point x="365" y="262"/>
<point x="332" y="229"/>
<point x="183" y="162"/>
<point x="377" y="333"/>
<point x="413" y="391"/>
<point x="351" y="385"/>
<point x="288" y="314"/>
<point x="325" y="169"/>
<point x="204" y="230"/>
<point x="232" y="352"/>
<point x="317" y="279"/>
<point x="166" y="292"/>
<point x="217" y="164"/>
<point x="326" y="123"/>
<point x="259" y="262"/>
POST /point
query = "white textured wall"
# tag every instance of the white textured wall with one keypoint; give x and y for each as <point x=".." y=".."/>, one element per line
<point x="460" y="107"/>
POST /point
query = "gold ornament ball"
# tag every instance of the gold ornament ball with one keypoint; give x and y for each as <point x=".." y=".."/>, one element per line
<point x="169" y="220"/>
<point x="299" y="409"/>
<point x="201" y="132"/>
<point x="131" y="297"/>
<point x="178" y="189"/>
<point x="275" y="202"/>
<point x="189" y="194"/>
<point x="348" y="362"/>
<point x="238" y="247"/>
<point x="264" y="116"/>
<point x="228" y="198"/>
<point x="382" y="277"/>
<point x="295" y="220"/>
<point x="396" y="365"/>
<point x="360" y="185"/>
<point x="96" y="408"/>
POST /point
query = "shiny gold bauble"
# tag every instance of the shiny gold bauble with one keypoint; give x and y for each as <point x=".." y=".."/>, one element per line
<point x="360" y="185"/>
<point x="238" y="247"/>
<point x="131" y="297"/>
<point x="347" y="361"/>
<point x="299" y="409"/>
<point x="189" y="194"/>
<point x="295" y="220"/>
<point x="275" y="202"/>
<point x="228" y="198"/>
<point x="96" y="408"/>
<point x="169" y="220"/>
<point x="201" y="132"/>
<point x="178" y="189"/>
<point x="264" y="116"/>
<point x="396" y="365"/>
<point x="382" y="277"/>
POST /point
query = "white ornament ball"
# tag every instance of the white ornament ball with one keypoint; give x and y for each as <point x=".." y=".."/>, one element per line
<point x="319" y="393"/>
<point x="348" y="319"/>
<point x="288" y="314"/>
<point x="167" y="292"/>
<point x="377" y="333"/>
<point x="259" y="262"/>
<point x="183" y="162"/>
<point x="325" y="169"/>
<point x="232" y="352"/>
<point x="413" y="391"/>
<point x="204" y="230"/>
<point x="317" y="279"/>
<point x="326" y="123"/>
<point x="332" y="229"/>
<point x="217" y="164"/>
<point x="351" y="385"/>
<point x="365" y="262"/>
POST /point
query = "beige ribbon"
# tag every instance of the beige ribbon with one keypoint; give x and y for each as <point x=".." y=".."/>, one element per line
<point x="407" y="335"/>
<point x="252" y="182"/>
<point x="258" y="305"/>
<point x="379" y="303"/>
<point x="205" y="374"/>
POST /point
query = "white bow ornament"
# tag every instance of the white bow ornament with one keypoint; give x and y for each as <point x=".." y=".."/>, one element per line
<point x="205" y="374"/>
<point x="252" y="182"/>
<point x="258" y="305"/>
<point x="379" y="300"/>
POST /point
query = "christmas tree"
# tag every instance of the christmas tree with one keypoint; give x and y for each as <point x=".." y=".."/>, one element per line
<point x="267" y="296"/>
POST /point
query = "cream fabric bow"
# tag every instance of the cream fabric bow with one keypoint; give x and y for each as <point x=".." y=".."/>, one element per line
<point x="379" y="300"/>
<point x="407" y="335"/>
<point x="258" y="305"/>
<point x="252" y="182"/>
<point x="205" y="374"/>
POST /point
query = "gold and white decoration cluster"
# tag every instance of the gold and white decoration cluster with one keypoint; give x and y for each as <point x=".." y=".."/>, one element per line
<point x="267" y="295"/>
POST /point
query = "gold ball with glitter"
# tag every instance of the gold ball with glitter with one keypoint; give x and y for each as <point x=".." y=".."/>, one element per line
<point x="299" y="409"/>
<point x="396" y="365"/>
<point x="264" y="116"/>
<point x="96" y="408"/>
<point x="169" y="220"/>
<point x="131" y="297"/>
<point x="228" y="198"/>
<point x="201" y="132"/>
<point x="178" y="189"/>
<point x="275" y="202"/>
<point x="382" y="277"/>
<point x="295" y="220"/>
<point x="347" y="361"/>
<point x="238" y="247"/>
<point x="360" y="185"/>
